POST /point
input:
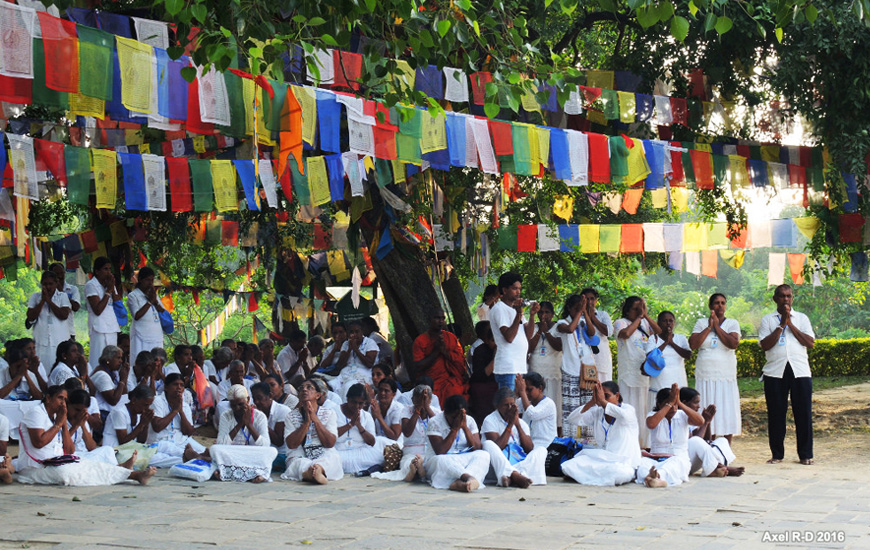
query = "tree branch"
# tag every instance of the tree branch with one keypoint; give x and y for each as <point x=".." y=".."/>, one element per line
<point x="587" y="22"/>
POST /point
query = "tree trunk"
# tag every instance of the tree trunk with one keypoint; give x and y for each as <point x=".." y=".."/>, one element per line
<point x="455" y="295"/>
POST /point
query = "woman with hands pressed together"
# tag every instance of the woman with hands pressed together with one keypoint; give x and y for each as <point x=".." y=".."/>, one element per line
<point x="66" y="364"/>
<point x="130" y="421"/>
<point x="539" y="411"/>
<point x="47" y="312"/>
<point x="100" y="293"/>
<point x="80" y="431"/>
<point x="713" y="457"/>
<point x="356" y="435"/>
<point x="386" y="411"/>
<point x="172" y="425"/>
<point x="716" y="338"/>
<point x="545" y="354"/>
<point x="575" y="354"/>
<point x="508" y="434"/>
<point x="311" y="433"/>
<point x="243" y="451"/>
<point x="146" y="333"/>
<point x="357" y="357"/>
<point x="415" y="423"/>
<point x="46" y="435"/>
<point x="669" y="435"/>
<point x="455" y="459"/>
<point x="633" y="332"/>
<point x="675" y="350"/>
<point x="110" y="379"/>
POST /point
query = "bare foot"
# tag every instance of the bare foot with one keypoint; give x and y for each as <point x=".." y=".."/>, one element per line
<point x="5" y="476"/>
<point x="736" y="471"/>
<point x="130" y="461"/>
<point x="471" y="484"/>
<point x="189" y="454"/>
<point x="412" y="471"/>
<point x="421" y="471"/>
<point x="519" y="480"/>
<point x="807" y="461"/>
<point x="143" y="476"/>
<point x="258" y="479"/>
<point x="653" y="480"/>
<point x="459" y="486"/>
<point x="720" y="471"/>
<point x="774" y="461"/>
<point x="318" y="474"/>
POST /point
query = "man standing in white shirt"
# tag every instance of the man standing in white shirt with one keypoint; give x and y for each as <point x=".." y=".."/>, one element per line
<point x="603" y="327"/>
<point x="505" y="317"/>
<point x="785" y="337"/>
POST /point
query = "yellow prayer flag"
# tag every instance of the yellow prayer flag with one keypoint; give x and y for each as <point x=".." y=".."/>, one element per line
<point x="709" y="108"/>
<point x="734" y="258"/>
<point x="248" y="89"/>
<point x="717" y="236"/>
<point x="199" y="144"/>
<point x="600" y="79"/>
<point x="405" y="74"/>
<point x="223" y="177"/>
<point x="529" y="101"/>
<point x="398" y="170"/>
<point x="337" y="264"/>
<point x="679" y="199"/>
<point x="694" y="237"/>
<point x="770" y="153"/>
<point x="534" y="147"/>
<point x="105" y="168"/>
<point x="596" y="117"/>
<point x="564" y="207"/>
<point x="609" y="238"/>
<point x="739" y="174"/>
<point x="83" y="105"/>
<point x="318" y="181"/>
<point x="543" y="146"/>
<point x="627" y="107"/>
<point x="638" y="168"/>
<point x="134" y="61"/>
<point x="308" y="101"/>
<point x="808" y="226"/>
<point x="434" y="133"/>
<point x="133" y="137"/>
<point x="589" y="237"/>
<point x="22" y="217"/>
<point x="659" y="198"/>
<point x="120" y="235"/>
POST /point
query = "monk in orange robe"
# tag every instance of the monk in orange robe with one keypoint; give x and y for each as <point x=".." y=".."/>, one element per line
<point x="438" y="354"/>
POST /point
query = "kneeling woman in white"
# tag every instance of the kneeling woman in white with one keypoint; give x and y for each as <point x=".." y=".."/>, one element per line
<point x="311" y="434"/>
<point x="45" y="434"/>
<point x="243" y="451"/>
<point x="454" y="456"/>
<point x="539" y="411"/>
<point x="356" y="437"/>
<point x="506" y="432"/>
<point x="415" y="422"/>
<point x="614" y="426"/>
<point x="172" y="425"/>
<point x="668" y="425"/>
<point x="77" y="424"/>
<point x="713" y="457"/>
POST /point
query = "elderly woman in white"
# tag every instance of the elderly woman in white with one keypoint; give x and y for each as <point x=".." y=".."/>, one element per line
<point x="243" y="451"/>
<point x="311" y="432"/>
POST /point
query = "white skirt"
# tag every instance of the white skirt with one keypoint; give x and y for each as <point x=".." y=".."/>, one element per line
<point x="706" y="457"/>
<point x="105" y="455"/>
<point x="552" y="375"/>
<point x="443" y="470"/>
<point x="599" y="467"/>
<point x="243" y="462"/>
<point x="674" y="470"/>
<point x="99" y="340"/>
<point x="638" y="397"/>
<point x="404" y="469"/>
<point x="329" y="460"/>
<point x="361" y="458"/>
<point x="85" y="473"/>
<point x="726" y="396"/>
<point x="14" y="412"/>
<point x="532" y="467"/>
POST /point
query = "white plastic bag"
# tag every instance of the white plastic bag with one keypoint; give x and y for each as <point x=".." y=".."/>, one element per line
<point x="196" y="469"/>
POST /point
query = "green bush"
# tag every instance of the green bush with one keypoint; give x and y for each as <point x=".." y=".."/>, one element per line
<point x="829" y="357"/>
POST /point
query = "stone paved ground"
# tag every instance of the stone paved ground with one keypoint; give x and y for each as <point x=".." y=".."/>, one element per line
<point x="829" y="499"/>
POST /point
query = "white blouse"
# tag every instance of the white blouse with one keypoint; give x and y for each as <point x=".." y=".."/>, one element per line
<point x="670" y="437"/>
<point x="439" y="426"/>
<point x="37" y="417"/>
<point x="353" y="439"/>
<point x="620" y="438"/>
<point x="294" y="420"/>
<point x="243" y="437"/>
<point x="542" y="422"/>
<point x="715" y="360"/>
<point x="675" y="365"/>
<point x="631" y="353"/>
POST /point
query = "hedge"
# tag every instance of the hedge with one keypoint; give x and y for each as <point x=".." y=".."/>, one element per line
<point x="829" y="357"/>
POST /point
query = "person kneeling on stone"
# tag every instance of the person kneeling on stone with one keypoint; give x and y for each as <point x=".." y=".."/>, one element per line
<point x="360" y="455"/>
<point x="514" y="457"/>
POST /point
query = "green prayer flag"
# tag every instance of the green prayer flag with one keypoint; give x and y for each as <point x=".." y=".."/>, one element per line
<point x="410" y="133"/>
<point x="42" y="95"/>
<point x="618" y="159"/>
<point x="78" y="174"/>
<point x="95" y="62"/>
<point x="817" y="157"/>
<point x="203" y="189"/>
<point x="507" y="237"/>
<point x="212" y="232"/>
<point x="506" y="164"/>
<point x="383" y="172"/>
<point x="610" y="104"/>
<point x="696" y="112"/>
<point x="816" y="178"/>
<point x="272" y="115"/>
<point x="688" y="169"/>
<point x="609" y="237"/>
<point x="11" y="272"/>
<point x="522" y="154"/>
<point x="237" y="106"/>
<point x="300" y="181"/>
<point x="721" y="165"/>
<point x="755" y="152"/>
<point x="103" y="233"/>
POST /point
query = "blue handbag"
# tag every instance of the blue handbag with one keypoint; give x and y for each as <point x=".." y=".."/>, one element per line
<point x="166" y="322"/>
<point x="514" y="453"/>
<point x="120" y="312"/>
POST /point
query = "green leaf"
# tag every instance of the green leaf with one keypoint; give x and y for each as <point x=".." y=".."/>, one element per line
<point x="256" y="53"/>
<point x="568" y="6"/>
<point x="299" y="19"/>
<point x="547" y="3"/>
<point x="476" y="28"/>
<point x="188" y="73"/>
<point x="679" y="27"/>
<point x="175" y="52"/>
<point x="328" y="40"/>
<point x="514" y="78"/>
<point x="443" y="27"/>
<point x="779" y="34"/>
<point x="665" y="10"/>
<point x="693" y="9"/>
<point x="607" y="5"/>
<point x="724" y="24"/>
<point x="760" y="29"/>
<point x="174" y="6"/>
<point x="316" y="21"/>
<point x="426" y="38"/>
<point x="709" y="21"/>
<point x="647" y="17"/>
<point x="811" y="13"/>
<point x="491" y="109"/>
<point x="200" y="12"/>
<point x="371" y="5"/>
<point x="464" y="5"/>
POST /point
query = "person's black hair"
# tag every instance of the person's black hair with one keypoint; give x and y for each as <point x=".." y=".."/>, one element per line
<point x="778" y="290"/>
<point x="713" y="297"/>
<point x="687" y="394"/>
<point x="589" y="290"/>
<point x="194" y="348"/>
<point x="144" y="273"/>
<point x="535" y="380"/>
<point x="501" y="394"/>
<point x="274" y="377"/>
<point x="172" y="377"/>
<point x="141" y="392"/>
<point x="52" y="265"/>
<point x="14" y="354"/>
<point x="570" y="302"/>
<point x="72" y="384"/>
<point x="665" y="312"/>
<point x="427" y="380"/>
<point x="508" y="279"/>
<point x="341" y="324"/>
<point x="481" y="328"/>
<point x="261" y="387"/>
<point x="145" y="357"/>
<point x="370" y="323"/>
<point x="454" y="403"/>
<point x="628" y="304"/>
<point x="179" y="349"/>
<point x="357" y="390"/>
<point x="297" y="335"/>
<point x="490" y="290"/>
<point x="51" y="391"/>
<point x="100" y="262"/>
<point x="384" y="368"/>
<point x="613" y="387"/>
<point x="62" y="349"/>
<point x="662" y="397"/>
<point x="78" y="397"/>
<point x="48" y="275"/>
<point x="226" y="341"/>
<point x="547" y="305"/>
<point x="123" y="336"/>
<point x="390" y="382"/>
<point x="353" y="324"/>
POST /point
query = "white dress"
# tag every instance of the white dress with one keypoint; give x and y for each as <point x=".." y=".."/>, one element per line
<point x="395" y="413"/>
<point x="355" y="371"/>
<point x="603" y="359"/>
<point x="669" y="437"/>
<point x="716" y="378"/>
<point x="634" y="386"/>
<point x="19" y="400"/>
<point x="706" y="457"/>
<point x="278" y="413"/>
<point x="60" y="373"/>
<point x="103" y="329"/>
<point x="356" y="454"/>
<point x="542" y="422"/>
<point x="118" y="419"/>
<point x="311" y="451"/>
<point x="104" y="381"/>
<point x="85" y="473"/>
<point x="243" y="458"/>
<point x="49" y="331"/>
<point x="99" y="454"/>
<point x="532" y="467"/>
<point x="547" y="362"/>
<point x="145" y="333"/>
<point x="413" y="445"/>
<point x="461" y="459"/>
<point x="675" y="366"/>
<point x="170" y="441"/>
<point x="618" y="456"/>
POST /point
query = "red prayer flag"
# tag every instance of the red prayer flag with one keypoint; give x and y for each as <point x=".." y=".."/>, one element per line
<point x="697" y="88"/>
<point x="744" y="151"/>
<point x="479" y="81"/>
<point x="16" y="90"/>
<point x="851" y="228"/>
<point x="384" y="132"/>
<point x="290" y="136"/>
<point x="229" y="233"/>
<point x="739" y="240"/>
<point x="194" y="121"/>
<point x="680" y="111"/>
<point x="180" y="193"/>
<point x="599" y="158"/>
<point x="590" y="95"/>
<point x="348" y="68"/>
<point x="285" y="181"/>
<point x="702" y="165"/>
<point x="143" y="261"/>
<point x="51" y="153"/>
<point x="89" y="241"/>
<point x="631" y="238"/>
<point x="806" y="154"/>
<point x="252" y="303"/>
<point x="61" y="53"/>
<point x="677" y="165"/>
<point x="797" y="175"/>
<point x="322" y="237"/>
<point x="527" y="237"/>
<point x="631" y="200"/>
<point x="502" y="137"/>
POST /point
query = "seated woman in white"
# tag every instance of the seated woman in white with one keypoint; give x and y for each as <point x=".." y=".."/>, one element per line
<point x="67" y="356"/>
<point x="387" y="412"/>
<point x="506" y="432"/>
<point x="405" y="398"/>
<point x="415" y="422"/>
<point x="455" y="459"/>
<point x="278" y="392"/>
<point x="356" y="436"/>
<point x="171" y="427"/>
<point x="77" y="423"/>
<point x="311" y="433"/>
<point x="326" y="398"/>
<point x="614" y="426"/>
<point x="109" y="379"/>
<point x="46" y="435"/>
<point x="20" y="382"/>
<point x="276" y="413"/>
<point x="712" y="457"/>
<point x="243" y="451"/>
<point x="356" y="359"/>
<point x="130" y="421"/>
<point x="235" y="376"/>
<point x="6" y="467"/>
<point x="539" y="411"/>
<point x="668" y="425"/>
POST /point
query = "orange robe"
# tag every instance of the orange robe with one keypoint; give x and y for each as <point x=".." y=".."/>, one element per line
<point x="450" y="374"/>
